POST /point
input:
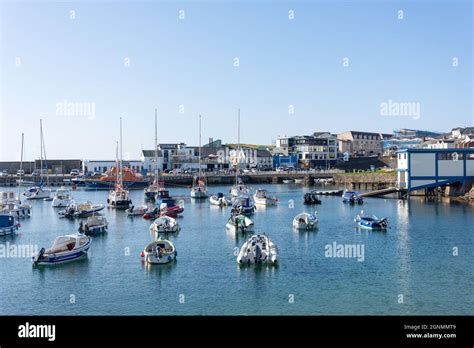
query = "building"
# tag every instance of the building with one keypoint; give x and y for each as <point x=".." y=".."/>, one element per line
<point x="319" y="150"/>
<point x="170" y="152"/>
<point x="150" y="161"/>
<point x="12" y="167"/>
<point x="429" y="168"/>
<point x="59" y="166"/>
<point x="101" y="166"/>
<point x="362" y="143"/>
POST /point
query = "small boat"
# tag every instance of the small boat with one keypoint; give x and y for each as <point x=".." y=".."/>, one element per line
<point x="239" y="189"/>
<point x="37" y="192"/>
<point x="351" y="197"/>
<point x="64" y="249"/>
<point x="311" y="198"/>
<point x="82" y="210"/>
<point x="159" y="252"/>
<point x="328" y="192"/>
<point x="119" y="198"/>
<point x="263" y="197"/>
<point x="139" y="211"/>
<point x="219" y="199"/>
<point x="258" y="249"/>
<point x="10" y="203"/>
<point x="24" y="183"/>
<point x="199" y="188"/>
<point x="323" y="181"/>
<point x="95" y="224"/>
<point x="239" y="223"/>
<point x="243" y="205"/>
<point x="299" y="181"/>
<point x="164" y="224"/>
<point x="305" y="221"/>
<point x="288" y="181"/>
<point x="62" y="198"/>
<point x="371" y="222"/>
<point x="8" y="224"/>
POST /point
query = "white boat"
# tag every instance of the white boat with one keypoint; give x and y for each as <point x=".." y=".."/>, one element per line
<point x="219" y="200"/>
<point x="258" y="249"/>
<point x="151" y="192"/>
<point x="95" y="224"/>
<point x="239" y="223"/>
<point x="137" y="211"/>
<point x="199" y="189"/>
<point x="164" y="224"/>
<point x="299" y="181"/>
<point x="243" y="205"/>
<point x="305" y="221"/>
<point x="38" y="192"/>
<point x="239" y="189"/>
<point x="8" y="224"/>
<point x="64" y="249"/>
<point x="10" y="203"/>
<point x="119" y="196"/>
<point x="159" y="252"/>
<point x="62" y="198"/>
<point x="81" y="210"/>
<point x="263" y="197"/>
<point x="288" y="181"/>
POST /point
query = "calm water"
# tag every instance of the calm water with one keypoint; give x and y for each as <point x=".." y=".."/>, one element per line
<point x="413" y="258"/>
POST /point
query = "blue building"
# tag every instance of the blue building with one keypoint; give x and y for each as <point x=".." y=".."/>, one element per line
<point x="285" y="161"/>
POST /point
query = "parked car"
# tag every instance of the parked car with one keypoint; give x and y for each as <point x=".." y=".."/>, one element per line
<point x="20" y="172"/>
<point x="3" y="173"/>
<point x="74" y="172"/>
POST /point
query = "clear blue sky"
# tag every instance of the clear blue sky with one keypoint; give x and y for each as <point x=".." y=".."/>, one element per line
<point x="282" y="62"/>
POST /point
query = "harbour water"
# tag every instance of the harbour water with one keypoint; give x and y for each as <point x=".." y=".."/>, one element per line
<point x="410" y="269"/>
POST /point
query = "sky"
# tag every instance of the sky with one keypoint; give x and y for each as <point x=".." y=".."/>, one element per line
<point x="292" y="67"/>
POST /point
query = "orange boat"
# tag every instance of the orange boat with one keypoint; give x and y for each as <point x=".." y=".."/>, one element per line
<point x="131" y="180"/>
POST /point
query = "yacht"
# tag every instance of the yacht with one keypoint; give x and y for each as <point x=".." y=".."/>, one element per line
<point x="305" y="221"/>
<point x="263" y="197"/>
<point x="258" y="249"/>
<point x="62" y="198"/>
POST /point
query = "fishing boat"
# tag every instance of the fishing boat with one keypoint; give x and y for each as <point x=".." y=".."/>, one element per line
<point x="305" y="221"/>
<point x="65" y="248"/>
<point x="94" y="225"/>
<point x="243" y="205"/>
<point x="160" y="251"/>
<point x="263" y="197"/>
<point x="258" y="249"/>
<point x="351" y="197"/>
<point x="8" y="224"/>
<point x="288" y="181"/>
<point x="371" y="222"/>
<point x="164" y="224"/>
<point x="239" y="223"/>
<point x="62" y="198"/>
<point x="38" y="192"/>
<point x="81" y="210"/>
<point x="108" y="180"/>
<point x="119" y="196"/>
<point x="311" y="198"/>
<point x="219" y="200"/>
<point x="199" y="188"/>
<point x="137" y="211"/>
<point x="152" y="191"/>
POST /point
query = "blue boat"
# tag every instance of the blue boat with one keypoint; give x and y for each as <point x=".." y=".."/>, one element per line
<point x="371" y="222"/>
<point x="243" y="205"/>
<point x="351" y="197"/>
<point x="64" y="249"/>
<point x="8" y="224"/>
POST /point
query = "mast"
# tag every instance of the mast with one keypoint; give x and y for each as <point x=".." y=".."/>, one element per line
<point x="116" y="164"/>
<point x="21" y="164"/>
<point x="41" y="151"/>
<point x="44" y="151"/>
<point x="156" y="146"/>
<point x="120" y="162"/>
<point x="200" y="175"/>
<point x="238" y="148"/>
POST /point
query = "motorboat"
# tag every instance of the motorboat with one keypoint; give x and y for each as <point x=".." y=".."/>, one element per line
<point x="164" y="224"/>
<point x="243" y="205"/>
<point x="239" y="223"/>
<point x="371" y="222"/>
<point x="160" y="251"/>
<point x="328" y="192"/>
<point x="258" y="249"/>
<point x="119" y="198"/>
<point x="219" y="200"/>
<point x="199" y="187"/>
<point x="137" y="211"/>
<point x="108" y="180"/>
<point x="37" y="192"/>
<point x="10" y="203"/>
<point x="65" y="248"/>
<point x="305" y="221"/>
<point x="323" y="181"/>
<point x="351" y="197"/>
<point x="299" y="181"/>
<point x="263" y="197"/>
<point x="62" y="198"/>
<point x="288" y="181"/>
<point x="311" y="198"/>
<point x="8" y="224"/>
<point x="239" y="189"/>
<point x="94" y="224"/>
<point x="81" y="210"/>
<point x="152" y="191"/>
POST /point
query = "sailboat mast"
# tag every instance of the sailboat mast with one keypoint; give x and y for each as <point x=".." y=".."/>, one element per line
<point x="156" y="145"/>
<point x="41" y="151"/>
<point x="21" y="163"/>
<point x="116" y="163"/>
<point x="238" y="147"/>
<point x="200" y="146"/>
<point x="120" y="163"/>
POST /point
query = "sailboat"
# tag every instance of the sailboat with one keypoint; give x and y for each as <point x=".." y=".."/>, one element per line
<point x="152" y="191"/>
<point x="119" y="196"/>
<point x="38" y="192"/>
<point x="199" y="189"/>
<point x="239" y="189"/>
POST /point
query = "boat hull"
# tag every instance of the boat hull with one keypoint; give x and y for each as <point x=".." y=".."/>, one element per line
<point x="63" y="257"/>
<point x="107" y="185"/>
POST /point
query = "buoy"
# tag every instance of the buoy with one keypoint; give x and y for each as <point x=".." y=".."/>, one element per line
<point x="142" y="254"/>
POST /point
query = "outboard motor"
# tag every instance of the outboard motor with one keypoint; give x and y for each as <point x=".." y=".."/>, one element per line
<point x="258" y="253"/>
<point x="39" y="257"/>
